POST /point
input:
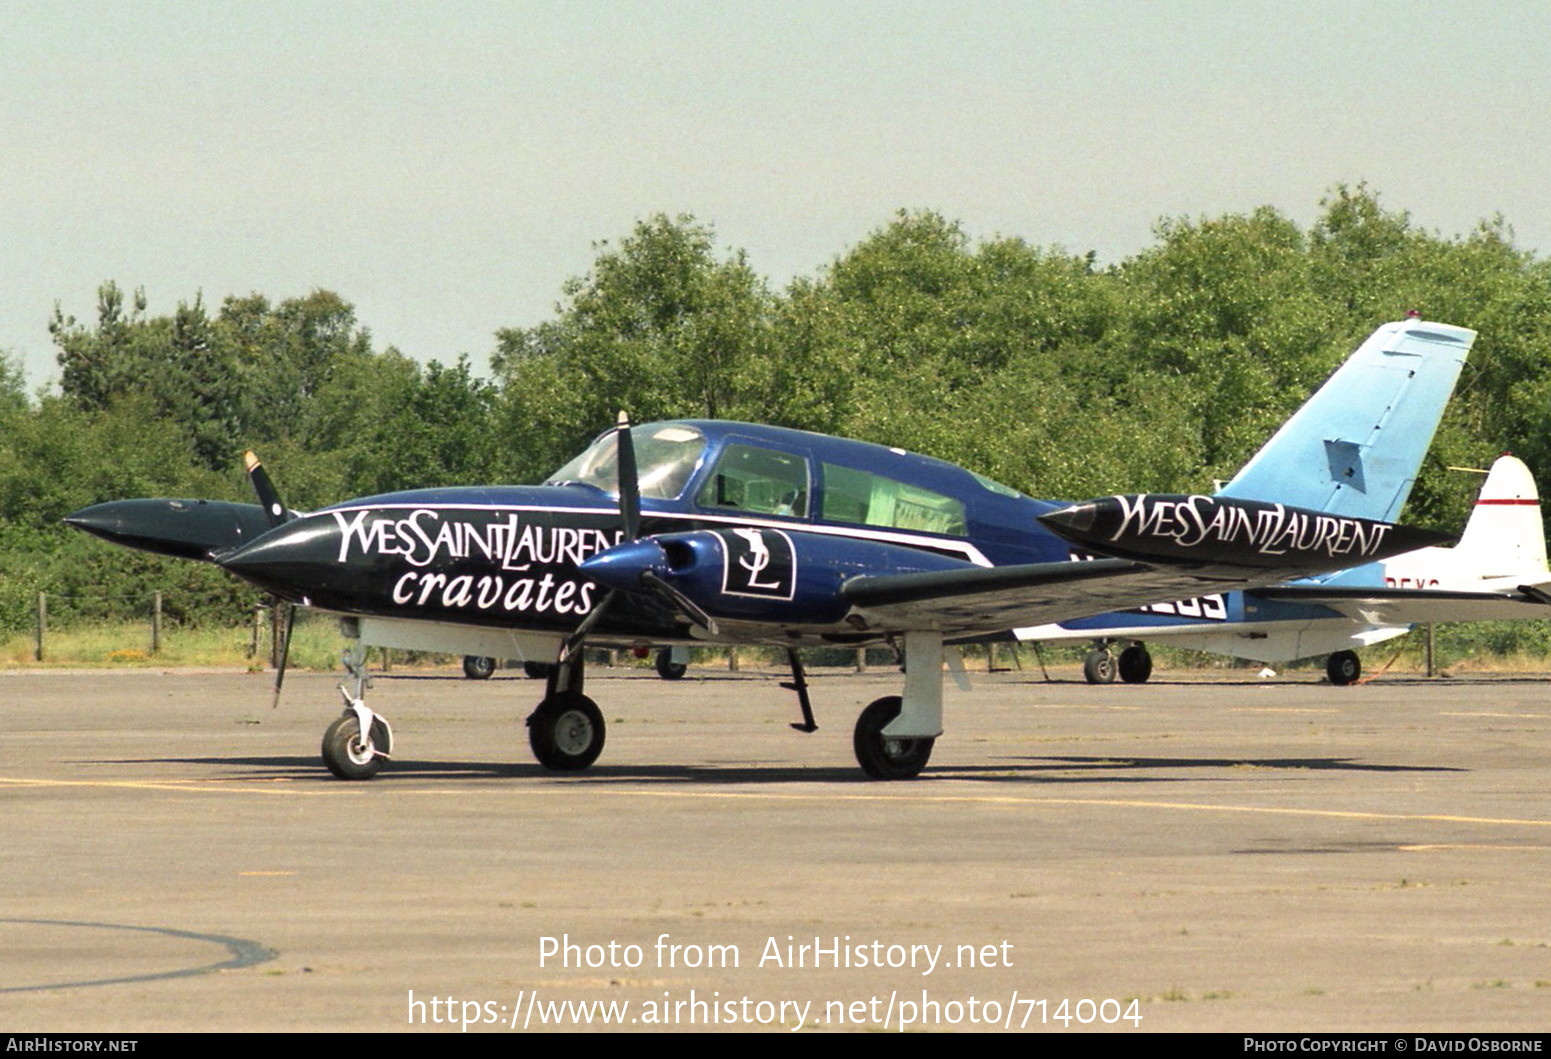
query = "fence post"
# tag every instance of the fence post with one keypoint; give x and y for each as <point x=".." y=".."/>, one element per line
<point x="156" y="623"/>
<point x="37" y="652"/>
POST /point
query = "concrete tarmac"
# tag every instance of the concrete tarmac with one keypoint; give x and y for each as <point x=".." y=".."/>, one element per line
<point x="1185" y="855"/>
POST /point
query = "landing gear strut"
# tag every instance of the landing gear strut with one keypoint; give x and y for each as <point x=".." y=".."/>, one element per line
<point x="359" y="741"/>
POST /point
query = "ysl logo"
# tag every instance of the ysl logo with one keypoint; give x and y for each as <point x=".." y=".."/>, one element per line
<point x="756" y="560"/>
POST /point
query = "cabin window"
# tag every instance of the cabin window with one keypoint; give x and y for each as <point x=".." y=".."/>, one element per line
<point x="762" y="481"/>
<point x="873" y="500"/>
<point x="666" y="455"/>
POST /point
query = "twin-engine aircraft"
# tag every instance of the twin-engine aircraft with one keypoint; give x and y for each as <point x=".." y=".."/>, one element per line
<point x="698" y="531"/>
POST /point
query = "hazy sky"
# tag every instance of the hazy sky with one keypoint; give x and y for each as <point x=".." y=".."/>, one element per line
<point x="446" y="166"/>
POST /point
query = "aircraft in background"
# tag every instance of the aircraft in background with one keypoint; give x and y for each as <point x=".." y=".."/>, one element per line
<point x="1497" y="571"/>
<point x="671" y="664"/>
<point x="702" y="531"/>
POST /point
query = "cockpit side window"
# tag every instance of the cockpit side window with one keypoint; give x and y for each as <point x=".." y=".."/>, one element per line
<point x="761" y="481"/>
<point x="872" y="500"/>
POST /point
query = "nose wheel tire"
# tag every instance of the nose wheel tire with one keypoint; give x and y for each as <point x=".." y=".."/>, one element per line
<point x="566" y="732"/>
<point x="883" y="757"/>
<point x="346" y="755"/>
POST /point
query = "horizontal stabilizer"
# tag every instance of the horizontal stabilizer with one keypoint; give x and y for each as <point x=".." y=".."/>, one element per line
<point x="1413" y="606"/>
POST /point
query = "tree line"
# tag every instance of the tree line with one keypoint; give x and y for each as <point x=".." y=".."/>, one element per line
<point x="1034" y="365"/>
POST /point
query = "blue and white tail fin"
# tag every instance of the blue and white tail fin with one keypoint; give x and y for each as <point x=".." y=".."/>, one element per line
<point x="1355" y="447"/>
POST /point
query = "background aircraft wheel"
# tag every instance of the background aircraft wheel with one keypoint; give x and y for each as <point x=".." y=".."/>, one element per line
<point x="344" y="753"/>
<point x="1135" y="665"/>
<point x="1099" y="667"/>
<point x="667" y="668"/>
<point x="478" y="667"/>
<point x="1343" y="668"/>
<point x="536" y="670"/>
<point x="566" y="732"/>
<point x="888" y="759"/>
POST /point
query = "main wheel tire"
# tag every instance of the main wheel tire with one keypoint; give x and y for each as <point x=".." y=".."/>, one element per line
<point x="566" y="732"/>
<point x="667" y="668"/>
<point x="478" y="667"/>
<point x="1099" y="667"/>
<point x="536" y="670"/>
<point x="1135" y="664"/>
<point x="344" y="753"/>
<point x="885" y="758"/>
<point x="1343" y="668"/>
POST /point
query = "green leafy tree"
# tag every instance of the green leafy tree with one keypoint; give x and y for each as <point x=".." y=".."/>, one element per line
<point x="661" y="326"/>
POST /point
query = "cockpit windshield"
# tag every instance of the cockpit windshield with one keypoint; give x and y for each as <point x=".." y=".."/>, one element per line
<point x="666" y="454"/>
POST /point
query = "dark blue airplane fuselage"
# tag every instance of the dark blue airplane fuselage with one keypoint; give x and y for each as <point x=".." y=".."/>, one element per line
<point x="508" y="555"/>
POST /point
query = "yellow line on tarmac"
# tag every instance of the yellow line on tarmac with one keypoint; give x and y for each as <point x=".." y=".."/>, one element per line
<point x="1121" y="803"/>
<point x="582" y="789"/>
<point x="181" y="786"/>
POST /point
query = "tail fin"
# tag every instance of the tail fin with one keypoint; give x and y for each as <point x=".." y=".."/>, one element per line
<point x="1354" y="447"/>
<point x="1505" y="536"/>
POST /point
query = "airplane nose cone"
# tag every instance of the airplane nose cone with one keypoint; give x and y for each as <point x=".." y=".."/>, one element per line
<point x="622" y="565"/>
<point x="294" y="561"/>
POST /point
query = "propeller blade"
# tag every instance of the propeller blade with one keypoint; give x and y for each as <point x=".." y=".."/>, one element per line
<point x="630" y="517"/>
<point x="629" y="480"/>
<point x="574" y="641"/>
<point x="268" y="495"/>
<point x="285" y="651"/>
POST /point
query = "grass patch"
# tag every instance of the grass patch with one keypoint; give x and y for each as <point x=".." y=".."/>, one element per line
<point x="315" y="644"/>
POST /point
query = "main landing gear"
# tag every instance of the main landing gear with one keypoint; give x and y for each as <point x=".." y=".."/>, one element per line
<point x="1134" y="666"/>
<point x="669" y="668"/>
<point x="566" y="729"/>
<point x="883" y="757"/>
<point x="893" y="738"/>
<point x="1343" y="668"/>
<point x="566" y="732"/>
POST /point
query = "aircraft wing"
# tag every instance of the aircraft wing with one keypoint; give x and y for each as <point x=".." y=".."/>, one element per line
<point x="982" y="599"/>
<point x="1412" y="606"/>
